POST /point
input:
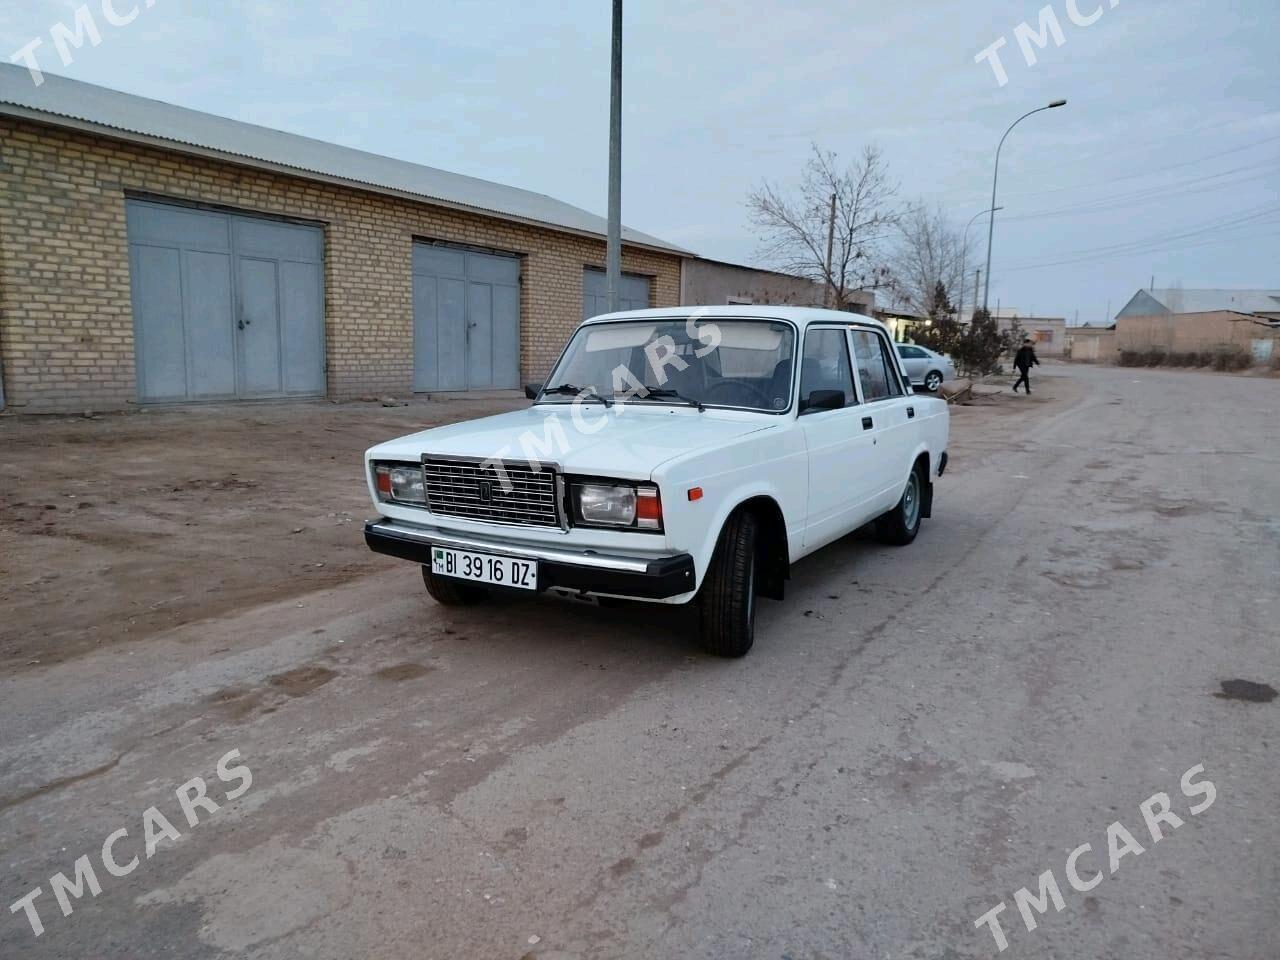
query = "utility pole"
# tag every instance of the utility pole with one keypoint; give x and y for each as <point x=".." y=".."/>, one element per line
<point x="964" y="248"/>
<point x="613" y="245"/>
<point x="831" y="237"/>
<point x="977" y="283"/>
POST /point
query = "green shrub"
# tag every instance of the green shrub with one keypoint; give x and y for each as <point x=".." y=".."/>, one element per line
<point x="976" y="347"/>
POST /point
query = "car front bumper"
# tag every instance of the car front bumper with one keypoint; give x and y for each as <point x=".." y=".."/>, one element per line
<point x="645" y="578"/>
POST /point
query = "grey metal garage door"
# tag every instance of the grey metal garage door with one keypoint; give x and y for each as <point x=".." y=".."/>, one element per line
<point x="634" y="294"/>
<point x="225" y="306"/>
<point x="466" y="319"/>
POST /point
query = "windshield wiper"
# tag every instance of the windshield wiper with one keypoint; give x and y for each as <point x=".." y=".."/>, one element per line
<point x="666" y="393"/>
<point x="588" y="393"/>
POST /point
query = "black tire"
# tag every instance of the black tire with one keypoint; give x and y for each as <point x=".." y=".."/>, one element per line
<point x="933" y="380"/>
<point x="452" y="592"/>
<point x="900" y="525"/>
<point x="728" y="595"/>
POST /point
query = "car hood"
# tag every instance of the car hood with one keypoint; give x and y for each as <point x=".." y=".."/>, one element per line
<point x="629" y="441"/>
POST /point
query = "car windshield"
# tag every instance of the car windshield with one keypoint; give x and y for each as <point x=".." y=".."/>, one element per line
<point x="720" y="363"/>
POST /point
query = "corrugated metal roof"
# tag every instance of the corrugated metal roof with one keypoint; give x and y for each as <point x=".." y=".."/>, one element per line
<point x="1178" y="300"/>
<point x="60" y="100"/>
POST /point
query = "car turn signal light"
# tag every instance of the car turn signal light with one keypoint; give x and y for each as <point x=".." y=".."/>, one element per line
<point x="648" y="508"/>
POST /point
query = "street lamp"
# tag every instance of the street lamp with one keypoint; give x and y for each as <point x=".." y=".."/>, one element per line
<point x="964" y="250"/>
<point x="991" y="227"/>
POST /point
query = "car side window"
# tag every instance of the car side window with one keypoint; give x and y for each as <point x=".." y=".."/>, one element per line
<point x="910" y="353"/>
<point x="879" y="379"/>
<point x="825" y="364"/>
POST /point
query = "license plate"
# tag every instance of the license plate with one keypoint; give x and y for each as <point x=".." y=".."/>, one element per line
<point x="485" y="568"/>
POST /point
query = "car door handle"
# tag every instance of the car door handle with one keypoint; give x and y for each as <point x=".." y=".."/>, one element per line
<point x="867" y="423"/>
<point x="911" y="412"/>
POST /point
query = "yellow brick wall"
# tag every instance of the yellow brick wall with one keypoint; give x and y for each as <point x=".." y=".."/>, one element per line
<point x="1190" y="332"/>
<point x="66" y="323"/>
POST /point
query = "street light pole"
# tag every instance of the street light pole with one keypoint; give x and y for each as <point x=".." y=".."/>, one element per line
<point x="613" y="243"/>
<point x="991" y="226"/>
<point x="964" y="250"/>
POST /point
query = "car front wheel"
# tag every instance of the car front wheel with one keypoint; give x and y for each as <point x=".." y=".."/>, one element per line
<point x="728" y="595"/>
<point x="452" y="592"/>
<point x="933" y="381"/>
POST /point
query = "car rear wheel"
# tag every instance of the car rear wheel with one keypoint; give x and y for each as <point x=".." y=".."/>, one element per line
<point x="901" y="524"/>
<point x="452" y="592"/>
<point x="728" y="595"/>
<point x="932" y="381"/>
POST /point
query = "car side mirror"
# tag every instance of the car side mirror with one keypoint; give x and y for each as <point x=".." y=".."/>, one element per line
<point x="822" y="400"/>
<point x="531" y="390"/>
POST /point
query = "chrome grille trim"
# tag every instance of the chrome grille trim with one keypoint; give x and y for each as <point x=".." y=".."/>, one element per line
<point x="533" y="499"/>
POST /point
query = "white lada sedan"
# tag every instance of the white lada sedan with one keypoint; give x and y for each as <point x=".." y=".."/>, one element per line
<point x="678" y="455"/>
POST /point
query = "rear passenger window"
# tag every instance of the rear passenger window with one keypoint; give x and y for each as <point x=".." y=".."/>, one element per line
<point x="825" y="364"/>
<point x="871" y="355"/>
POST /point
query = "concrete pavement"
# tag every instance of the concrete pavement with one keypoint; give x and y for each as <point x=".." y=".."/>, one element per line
<point x="918" y="733"/>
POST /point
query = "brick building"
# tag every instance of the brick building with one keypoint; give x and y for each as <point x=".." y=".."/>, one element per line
<point x="1163" y="301"/>
<point x="150" y="253"/>
<point x="1048" y="333"/>
<point x="707" y="281"/>
<point x="1213" y="331"/>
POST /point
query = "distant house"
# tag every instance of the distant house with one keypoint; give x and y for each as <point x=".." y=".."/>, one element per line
<point x="704" y="281"/>
<point x="1048" y="333"/>
<point x="1091" y="344"/>
<point x="1159" y="302"/>
<point x="903" y="326"/>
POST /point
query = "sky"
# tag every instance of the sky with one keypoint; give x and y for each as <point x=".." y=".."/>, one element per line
<point x="1165" y="161"/>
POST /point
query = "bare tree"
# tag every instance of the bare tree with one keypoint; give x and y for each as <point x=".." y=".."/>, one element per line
<point x="927" y="261"/>
<point x="795" y="223"/>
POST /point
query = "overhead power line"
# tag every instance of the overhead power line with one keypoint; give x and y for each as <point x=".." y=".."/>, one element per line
<point x="1230" y="222"/>
<point x="1268" y="168"/>
<point x="1176" y="248"/>
<point x="1142" y="173"/>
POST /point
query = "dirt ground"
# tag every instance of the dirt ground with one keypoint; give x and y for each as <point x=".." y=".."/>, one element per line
<point x="119" y="526"/>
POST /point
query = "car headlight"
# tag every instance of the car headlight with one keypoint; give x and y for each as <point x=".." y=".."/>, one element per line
<point x="399" y="482"/>
<point x="621" y="505"/>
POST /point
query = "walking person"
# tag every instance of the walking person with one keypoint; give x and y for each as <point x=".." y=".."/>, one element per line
<point x="1023" y="362"/>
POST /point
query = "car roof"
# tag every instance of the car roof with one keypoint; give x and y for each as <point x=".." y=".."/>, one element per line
<point x="800" y="316"/>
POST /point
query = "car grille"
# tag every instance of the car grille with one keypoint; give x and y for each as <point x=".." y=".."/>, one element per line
<point x="475" y="492"/>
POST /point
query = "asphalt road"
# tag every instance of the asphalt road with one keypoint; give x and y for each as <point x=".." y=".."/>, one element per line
<point x="918" y="733"/>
